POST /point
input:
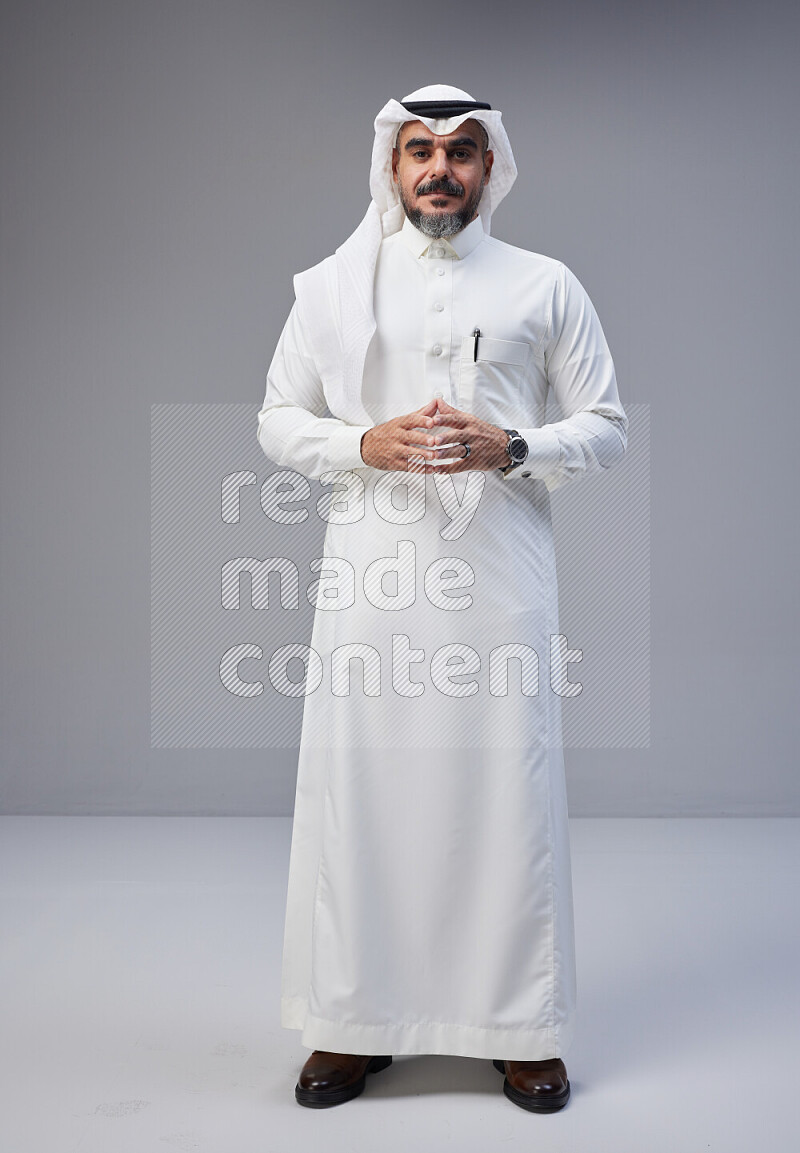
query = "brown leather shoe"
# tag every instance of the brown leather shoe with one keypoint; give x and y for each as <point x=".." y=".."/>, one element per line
<point x="331" y="1078"/>
<point x="540" y="1086"/>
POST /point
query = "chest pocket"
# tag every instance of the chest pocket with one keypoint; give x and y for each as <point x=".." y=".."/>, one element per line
<point x="491" y="386"/>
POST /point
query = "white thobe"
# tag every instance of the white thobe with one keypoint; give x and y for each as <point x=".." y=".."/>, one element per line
<point x="429" y="907"/>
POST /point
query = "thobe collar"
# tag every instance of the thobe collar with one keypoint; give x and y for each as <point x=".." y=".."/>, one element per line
<point x="457" y="246"/>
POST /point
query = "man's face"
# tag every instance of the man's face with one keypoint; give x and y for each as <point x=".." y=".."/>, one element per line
<point x="440" y="179"/>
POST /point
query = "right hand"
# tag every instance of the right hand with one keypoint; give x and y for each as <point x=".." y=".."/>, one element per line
<point x="388" y="446"/>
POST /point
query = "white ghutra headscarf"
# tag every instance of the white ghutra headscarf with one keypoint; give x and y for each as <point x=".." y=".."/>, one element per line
<point x="357" y="257"/>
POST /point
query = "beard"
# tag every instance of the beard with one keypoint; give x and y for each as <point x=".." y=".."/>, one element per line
<point x="442" y="224"/>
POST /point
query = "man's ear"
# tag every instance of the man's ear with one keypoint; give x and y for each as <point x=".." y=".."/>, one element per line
<point x="395" y="158"/>
<point x="488" y="161"/>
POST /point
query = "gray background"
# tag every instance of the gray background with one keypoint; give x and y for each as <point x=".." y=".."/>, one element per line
<point x="168" y="166"/>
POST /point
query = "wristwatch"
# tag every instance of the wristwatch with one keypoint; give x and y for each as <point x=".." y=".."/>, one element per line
<point x="517" y="449"/>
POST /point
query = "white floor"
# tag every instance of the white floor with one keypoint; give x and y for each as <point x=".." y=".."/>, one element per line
<point x="139" y="982"/>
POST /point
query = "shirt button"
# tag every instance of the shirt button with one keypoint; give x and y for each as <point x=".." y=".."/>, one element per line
<point x="439" y="306"/>
<point x="440" y="272"/>
<point x="437" y="350"/>
<point x="526" y="474"/>
<point x="438" y="250"/>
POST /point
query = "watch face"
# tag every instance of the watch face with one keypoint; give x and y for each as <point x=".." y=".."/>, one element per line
<point x="518" y="449"/>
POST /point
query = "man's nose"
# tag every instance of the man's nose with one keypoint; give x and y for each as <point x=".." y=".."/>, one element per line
<point x="440" y="163"/>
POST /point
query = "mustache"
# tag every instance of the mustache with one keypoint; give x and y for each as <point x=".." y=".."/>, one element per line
<point x="448" y="187"/>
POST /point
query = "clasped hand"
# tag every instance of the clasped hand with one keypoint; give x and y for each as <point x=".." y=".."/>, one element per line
<point x="393" y="445"/>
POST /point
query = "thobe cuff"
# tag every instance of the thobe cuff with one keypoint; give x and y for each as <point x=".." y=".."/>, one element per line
<point x="544" y="454"/>
<point x="344" y="446"/>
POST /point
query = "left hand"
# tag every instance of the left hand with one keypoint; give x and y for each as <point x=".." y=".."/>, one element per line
<point x="488" y="442"/>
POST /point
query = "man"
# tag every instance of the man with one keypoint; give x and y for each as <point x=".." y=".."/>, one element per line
<point x="429" y="907"/>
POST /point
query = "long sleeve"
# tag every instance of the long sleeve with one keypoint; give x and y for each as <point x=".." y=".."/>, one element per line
<point x="292" y="428"/>
<point x="593" y="433"/>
